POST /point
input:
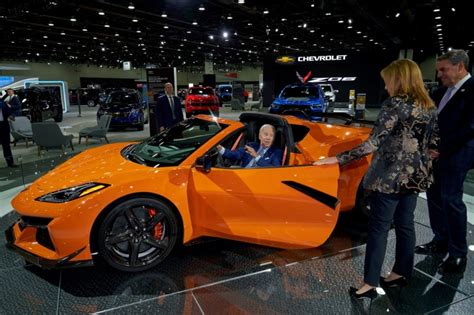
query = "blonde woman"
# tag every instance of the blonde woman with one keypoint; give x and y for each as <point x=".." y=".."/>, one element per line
<point x="403" y="143"/>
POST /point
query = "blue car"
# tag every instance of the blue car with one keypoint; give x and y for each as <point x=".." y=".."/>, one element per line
<point x="224" y="92"/>
<point x="127" y="108"/>
<point x="301" y="99"/>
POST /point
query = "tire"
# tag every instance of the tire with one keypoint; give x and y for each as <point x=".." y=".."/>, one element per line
<point x="137" y="234"/>
<point x="91" y="103"/>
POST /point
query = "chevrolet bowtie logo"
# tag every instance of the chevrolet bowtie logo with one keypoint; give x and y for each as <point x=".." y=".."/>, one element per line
<point x="286" y="59"/>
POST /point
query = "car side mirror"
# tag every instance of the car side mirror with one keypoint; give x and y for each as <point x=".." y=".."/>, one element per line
<point x="203" y="163"/>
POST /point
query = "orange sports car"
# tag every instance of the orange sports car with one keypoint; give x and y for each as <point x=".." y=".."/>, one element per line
<point x="130" y="204"/>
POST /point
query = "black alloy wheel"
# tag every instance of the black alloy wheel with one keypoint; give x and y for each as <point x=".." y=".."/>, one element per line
<point x="138" y="234"/>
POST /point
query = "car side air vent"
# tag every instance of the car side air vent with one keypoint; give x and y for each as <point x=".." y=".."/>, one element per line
<point x="26" y="221"/>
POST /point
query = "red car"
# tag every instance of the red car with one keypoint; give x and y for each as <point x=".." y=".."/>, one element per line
<point x="201" y="100"/>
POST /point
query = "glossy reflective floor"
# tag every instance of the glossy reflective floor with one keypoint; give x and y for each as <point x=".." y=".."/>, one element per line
<point x="222" y="277"/>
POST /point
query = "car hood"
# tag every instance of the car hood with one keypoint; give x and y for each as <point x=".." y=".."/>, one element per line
<point x="201" y="97"/>
<point x="104" y="165"/>
<point x="297" y="101"/>
<point x="113" y="108"/>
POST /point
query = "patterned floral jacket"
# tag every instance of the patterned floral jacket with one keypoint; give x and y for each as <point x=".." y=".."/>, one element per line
<point x="402" y="135"/>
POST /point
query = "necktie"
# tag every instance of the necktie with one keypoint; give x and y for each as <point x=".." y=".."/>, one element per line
<point x="253" y="161"/>
<point x="170" y="98"/>
<point x="445" y="98"/>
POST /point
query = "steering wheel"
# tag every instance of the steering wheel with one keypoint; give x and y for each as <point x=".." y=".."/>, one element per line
<point x="219" y="158"/>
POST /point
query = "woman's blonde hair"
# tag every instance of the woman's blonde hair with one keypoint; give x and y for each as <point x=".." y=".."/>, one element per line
<point x="404" y="77"/>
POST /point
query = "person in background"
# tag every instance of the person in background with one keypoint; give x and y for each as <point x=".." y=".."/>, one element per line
<point x="402" y="142"/>
<point x="5" y="113"/>
<point x="254" y="154"/>
<point x="14" y="103"/>
<point x="168" y="109"/>
<point x="447" y="211"/>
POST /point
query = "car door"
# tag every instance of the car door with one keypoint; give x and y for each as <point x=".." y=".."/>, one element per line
<point x="289" y="207"/>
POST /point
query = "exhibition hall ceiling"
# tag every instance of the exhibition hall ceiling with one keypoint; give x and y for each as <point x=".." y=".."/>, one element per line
<point x="231" y="32"/>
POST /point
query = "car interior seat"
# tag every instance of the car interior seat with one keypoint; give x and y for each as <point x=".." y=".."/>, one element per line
<point x="280" y="142"/>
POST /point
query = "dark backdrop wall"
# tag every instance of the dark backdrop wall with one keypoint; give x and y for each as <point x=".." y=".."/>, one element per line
<point x="344" y="70"/>
<point x="108" y="82"/>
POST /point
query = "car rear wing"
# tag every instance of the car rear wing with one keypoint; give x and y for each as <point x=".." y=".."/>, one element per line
<point x="348" y="119"/>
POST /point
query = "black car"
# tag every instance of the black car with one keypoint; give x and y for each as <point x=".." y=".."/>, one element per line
<point x="40" y="104"/>
<point x="91" y="97"/>
<point x="127" y="108"/>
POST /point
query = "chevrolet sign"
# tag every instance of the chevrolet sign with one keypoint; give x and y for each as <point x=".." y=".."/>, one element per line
<point x="321" y="58"/>
<point x="285" y="60"/>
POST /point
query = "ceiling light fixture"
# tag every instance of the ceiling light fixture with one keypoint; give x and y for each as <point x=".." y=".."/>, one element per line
<point x="201" y="7"/>
<point x="225" y="34"/>
<point x="134" y="20"/>
<point x="266" y="11"/>
<point x="195" y="22"/>
<point x="229" y="17"/>
<point x="72" y="19"/>
<point x="328" y="13"/>
<point x="107" y="25"/>
<point x="437" y="17"/>
<point x="166" y="26"/>
<point x="101" y="12"/>
<point x="50" y="24"/>
<point x="453" y="9"/>
<point x="84" y="29"/>
<point x="436" y="10"/>
<point x="397" y="14"/>
<point x="131" y="6"/>
<point x="164" y="15"/>
<point x="241" y="2"/>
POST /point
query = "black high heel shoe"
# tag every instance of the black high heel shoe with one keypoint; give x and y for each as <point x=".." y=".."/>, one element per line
<point x="371" y="294"/>
<point x="399" y="282"/>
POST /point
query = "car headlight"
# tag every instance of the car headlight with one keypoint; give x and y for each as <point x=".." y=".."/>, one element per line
<point x="71" y="193"/>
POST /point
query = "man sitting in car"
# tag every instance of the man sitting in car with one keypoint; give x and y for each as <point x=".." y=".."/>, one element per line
<point x="255" y="154"/>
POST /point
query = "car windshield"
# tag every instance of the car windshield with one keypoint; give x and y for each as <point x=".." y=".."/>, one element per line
<point x="225" y="90"/>
<point x="122" y="98"/>
<point x="174" y="145"/>
<point x="300" y="91"/>
<point x="201" y="91"/>
<point x="326" y="88"/>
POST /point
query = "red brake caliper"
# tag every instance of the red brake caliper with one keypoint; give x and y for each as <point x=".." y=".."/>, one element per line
<point x="158" y="229"/>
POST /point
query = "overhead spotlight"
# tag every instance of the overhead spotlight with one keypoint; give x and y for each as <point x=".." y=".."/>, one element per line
<point x="225" y="34"/>
<point x="328" y="13"/>
<point x="134" y="20"/>
<point x="166" y="26"/>
<point x="163" y="15"/>
<point x="340" y="21"/>
<point x="107" y="25"/>
<point x="50" y="24"/>
<point x="101" y="12"/>
<point x="201" y="7"/>
<point x="62" y="33"/>
<point x="283" y="19"/>
<point x="84" y="29"/>
<point x="241" y="2"/>
<point x="131" y="6"/>
<point x="266" y="11"/>
<point x="453" y="9"/>
<point x="195" y="22"/>
<point x="211" y="37"/>
<point x="436" y="10"/>
<point x="305" y="25"/>
<point x="229" y="17"/>
<point x="437" y="17"/>
<point x="72" y="19"/>
<point x="397" y="14"/>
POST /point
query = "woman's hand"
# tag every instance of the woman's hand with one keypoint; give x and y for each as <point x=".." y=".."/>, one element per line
<point x="433" y="154"/>
<point x="329" y="160"/>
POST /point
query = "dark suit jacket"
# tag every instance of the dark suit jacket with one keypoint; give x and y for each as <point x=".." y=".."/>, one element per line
<point x="456" y="120"/>
<point x="272" y="157"/>
<point x="15" y="105"/>
<point x="4" y="125"/>
<point x="164" y="116"/>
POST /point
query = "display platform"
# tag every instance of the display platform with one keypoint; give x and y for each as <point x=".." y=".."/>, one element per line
<point x="221" y="277"/>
